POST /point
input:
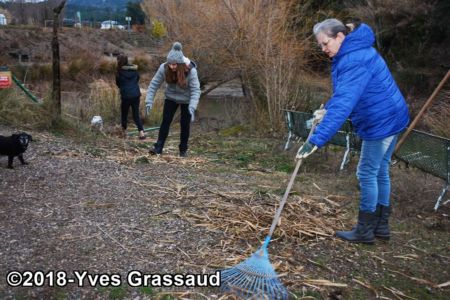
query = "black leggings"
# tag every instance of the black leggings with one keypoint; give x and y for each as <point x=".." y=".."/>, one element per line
<point x="125" y="106"/>
<point x="170" y="107"/>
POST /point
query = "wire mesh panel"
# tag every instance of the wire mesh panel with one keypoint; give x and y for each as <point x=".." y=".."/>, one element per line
<point x="296" y="121"/>
<point x="422" y="150"/>
<point x="426" y="152"/>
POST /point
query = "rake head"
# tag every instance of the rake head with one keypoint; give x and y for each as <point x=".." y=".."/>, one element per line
<point x="254" y="278"/>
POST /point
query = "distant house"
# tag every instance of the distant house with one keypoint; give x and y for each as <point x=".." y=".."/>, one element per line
<point x="5" y="17"/>
<point x="110" y="24"/>
<point x="3" y="20"/>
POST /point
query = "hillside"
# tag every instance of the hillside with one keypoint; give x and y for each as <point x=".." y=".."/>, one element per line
<point x="97" y="9"/>
<point x="114" y="4"/>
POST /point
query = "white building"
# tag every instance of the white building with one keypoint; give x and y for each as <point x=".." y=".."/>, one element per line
<point x="110" y="24"/>
<point x="3" y="20"/>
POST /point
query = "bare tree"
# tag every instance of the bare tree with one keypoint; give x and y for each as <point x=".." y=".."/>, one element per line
<point x="32" y="13"/>
<point x="247" y="38"/>
<point x="56" y="91"/>
<point x="387" y="17"/>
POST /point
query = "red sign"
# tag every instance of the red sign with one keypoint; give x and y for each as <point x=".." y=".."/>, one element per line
<point x="5" y="79"/>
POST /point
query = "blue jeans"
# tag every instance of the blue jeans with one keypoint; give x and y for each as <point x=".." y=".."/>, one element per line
<point x="373" y="173"/>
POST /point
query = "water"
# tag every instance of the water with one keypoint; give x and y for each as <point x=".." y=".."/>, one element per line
<point x="223" y="107"/>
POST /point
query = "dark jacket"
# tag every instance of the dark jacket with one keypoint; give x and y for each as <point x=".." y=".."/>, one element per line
<point x="127" y="79"/>
<point x="364" y="91"/>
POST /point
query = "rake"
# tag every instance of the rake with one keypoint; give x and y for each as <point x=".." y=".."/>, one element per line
<point x="255" y="278"/>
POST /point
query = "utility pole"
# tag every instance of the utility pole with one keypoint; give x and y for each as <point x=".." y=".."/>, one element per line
<point x="56" y="91"/>
<point x="128" y="19"/>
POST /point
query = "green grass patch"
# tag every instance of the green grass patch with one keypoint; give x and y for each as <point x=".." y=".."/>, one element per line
<point x="117" y="293"/>
<point x="146" y="290"/>
<point x="243" y="152"/>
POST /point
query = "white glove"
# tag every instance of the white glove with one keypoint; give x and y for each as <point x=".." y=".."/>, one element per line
<point x="192" y="112"/>
<point x="148" y="108"/>
<point x="319" y="114"/>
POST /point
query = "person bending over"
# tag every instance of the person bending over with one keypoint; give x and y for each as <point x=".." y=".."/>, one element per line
<point x="182" y="89"/>
<point x="364" y="91"/>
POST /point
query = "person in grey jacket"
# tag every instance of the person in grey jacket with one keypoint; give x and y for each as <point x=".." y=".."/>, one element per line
<point x="182" y="89"/>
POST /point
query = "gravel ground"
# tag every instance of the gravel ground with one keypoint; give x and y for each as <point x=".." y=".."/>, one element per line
<point x="111" y="209"/>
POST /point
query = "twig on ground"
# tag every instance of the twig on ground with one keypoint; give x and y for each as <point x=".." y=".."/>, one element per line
<point x="116" y="241"/>
<point x="367" y="286"/>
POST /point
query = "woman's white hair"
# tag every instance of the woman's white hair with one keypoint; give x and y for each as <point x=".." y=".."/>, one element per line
<point x="330" y="27"/>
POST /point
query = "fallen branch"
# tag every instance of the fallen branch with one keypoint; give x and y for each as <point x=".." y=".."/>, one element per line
<point x="398" y="294"/>
<point x="324" y="282"/>
<point x="419" y="280"/>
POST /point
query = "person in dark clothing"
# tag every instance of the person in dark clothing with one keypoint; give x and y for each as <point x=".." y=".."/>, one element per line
<point x="127" y="79"/>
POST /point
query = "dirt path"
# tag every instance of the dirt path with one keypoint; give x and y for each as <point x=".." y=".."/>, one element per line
<point x="111" y="209"/>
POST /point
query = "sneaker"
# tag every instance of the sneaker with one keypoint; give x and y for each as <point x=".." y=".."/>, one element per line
<point x="183" y="154"/>
<point x="154" y="151"/>
<point x="141" y="135"/>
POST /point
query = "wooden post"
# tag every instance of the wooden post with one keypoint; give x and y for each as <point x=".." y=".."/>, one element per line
<point x="422" y="111"/>
<point x="56" y="91"/>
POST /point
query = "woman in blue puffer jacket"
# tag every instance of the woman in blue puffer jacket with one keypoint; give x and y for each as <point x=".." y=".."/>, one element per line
<point x="364" y="91"/>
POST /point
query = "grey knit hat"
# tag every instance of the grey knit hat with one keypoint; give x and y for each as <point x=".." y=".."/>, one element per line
<point x="175" y="55"/>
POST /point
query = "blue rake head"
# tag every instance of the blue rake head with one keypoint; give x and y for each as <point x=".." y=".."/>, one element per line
<point x="254" y="278"/>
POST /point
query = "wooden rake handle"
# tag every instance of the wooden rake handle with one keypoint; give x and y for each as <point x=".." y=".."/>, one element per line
<point x="288" y="189"/>
<point x="422" y="111"/>
<point x="285" y="196"/>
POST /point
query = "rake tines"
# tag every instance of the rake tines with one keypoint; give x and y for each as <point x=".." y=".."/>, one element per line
<point x="254" y="278"/>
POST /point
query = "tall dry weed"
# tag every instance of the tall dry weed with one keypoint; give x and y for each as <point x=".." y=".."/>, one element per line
<point x="438" y="116"/>
<point x="154" y="118"/>
<point x="104" y="100"/>
<point x="19" y="111"/>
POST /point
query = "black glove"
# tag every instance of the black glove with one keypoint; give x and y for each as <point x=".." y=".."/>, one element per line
<point x="305" y="150"/>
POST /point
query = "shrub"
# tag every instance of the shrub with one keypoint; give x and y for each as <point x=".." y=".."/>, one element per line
<point x="158" y="30"/>
<point x="104" y="101"/>
<point x="80" y="64"/>
<point x="40" y="72"/>
<point x="155" y="116"/>
<point x="107" y="67"/>
<point x="17" y="110"/>
<point x="144" y="64"/>
<point x="436" y="119"/>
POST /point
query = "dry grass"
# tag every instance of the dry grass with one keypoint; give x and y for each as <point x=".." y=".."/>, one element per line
<point x="17" y="110"/>
<point x="105" y="100"/>
<point x="437" y="117"/>
<point x="107" y="66"/>
<point x="144" y="62"/>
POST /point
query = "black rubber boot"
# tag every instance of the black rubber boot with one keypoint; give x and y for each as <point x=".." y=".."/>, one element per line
<point x="363" y="232"/>
<point x="183" y="154"/>
<point x="157" y="149"/>
<point x="382" y="231"/>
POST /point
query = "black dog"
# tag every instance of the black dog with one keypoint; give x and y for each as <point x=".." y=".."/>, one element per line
<point x="14" y="145"/>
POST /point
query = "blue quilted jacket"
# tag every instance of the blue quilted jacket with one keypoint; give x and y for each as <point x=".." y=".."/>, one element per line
<point x="364" y="91"/>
